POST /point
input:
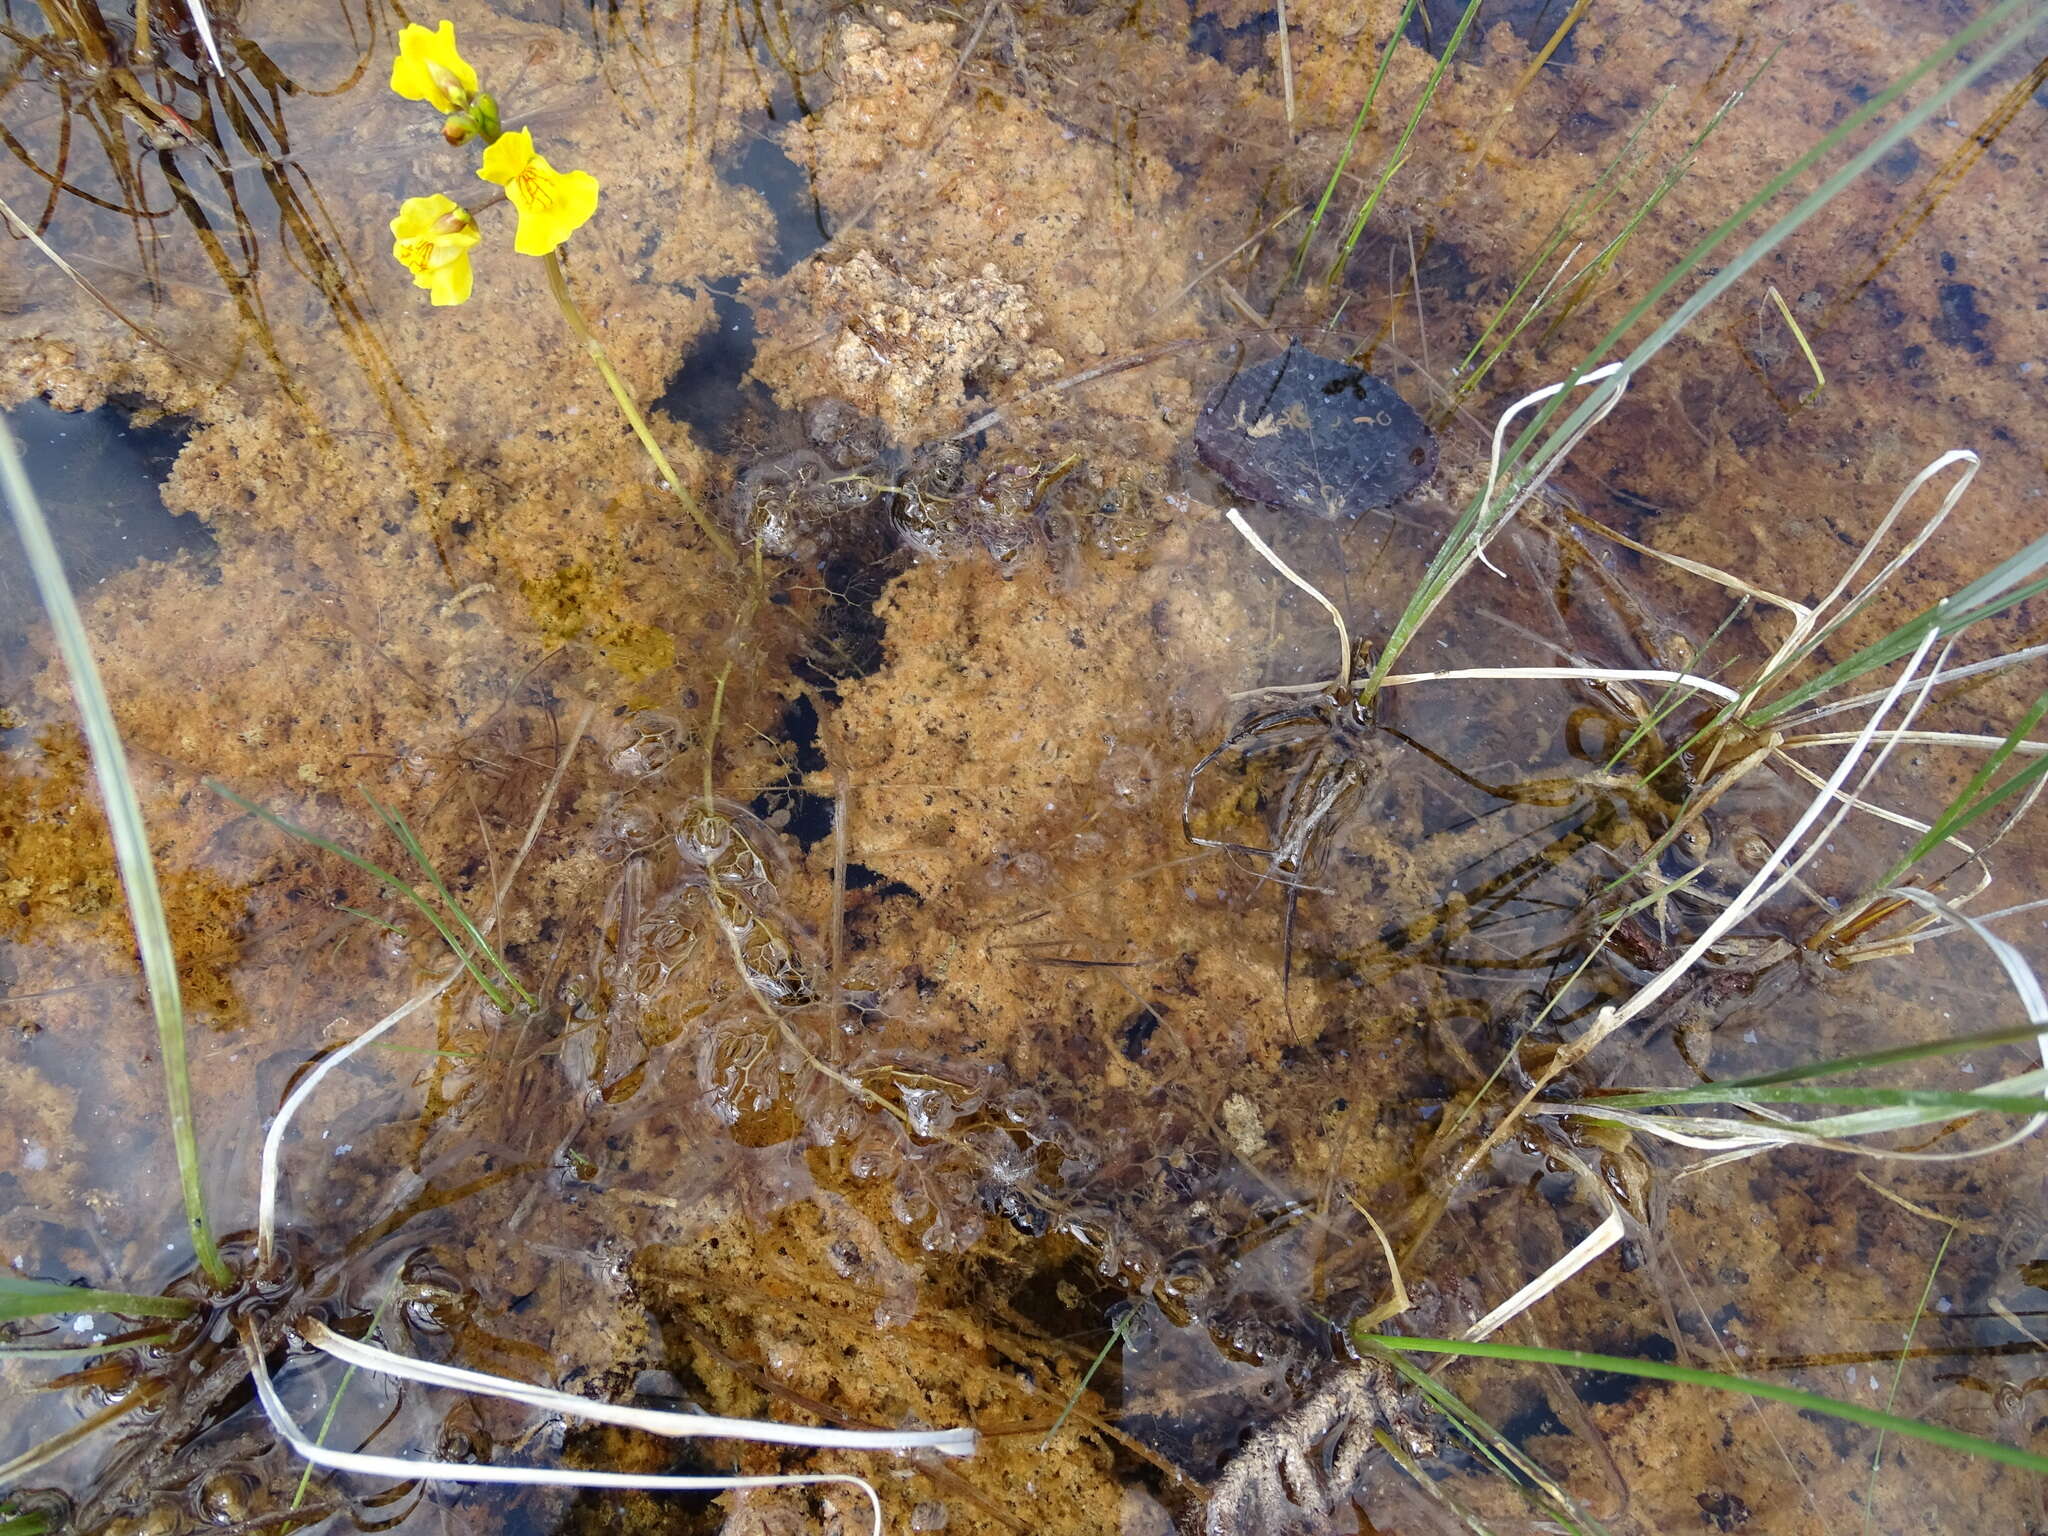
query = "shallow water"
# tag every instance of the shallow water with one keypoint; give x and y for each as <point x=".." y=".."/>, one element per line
<point x="896" y="1047"/>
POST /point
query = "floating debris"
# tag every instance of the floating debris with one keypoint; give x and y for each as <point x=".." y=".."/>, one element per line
<point x="1314" y="434"/>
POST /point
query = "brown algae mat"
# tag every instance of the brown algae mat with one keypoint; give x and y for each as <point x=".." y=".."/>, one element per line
<point x="960" y="995"/>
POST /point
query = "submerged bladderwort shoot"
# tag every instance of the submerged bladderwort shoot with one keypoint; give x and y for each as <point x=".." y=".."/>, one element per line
<point x="432" y="236"/>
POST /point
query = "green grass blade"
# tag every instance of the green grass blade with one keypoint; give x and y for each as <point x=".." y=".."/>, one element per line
<point x="1899" y="1371"/>
<point x="28" y="1523"/>
<point x="1350" y="144"/>
<point x="1117" y="1332"/>
<point x="1685" y="1375"/>
<point x="1976" y="799"/>
<point x="1947" y="619"/>
<point x="384" y="877"/>
<point x="334" y="1403"/>
<point x="21" y="1298"/>
<point x="403" y="831"/>
<point x="1494" y="1447"/>
<point x="1674" y="698"/>
<point x="1583" y="207"/>
<point x="2019" y="1034"/>
<point x="131" y="843"/>
<point x="35" y="1354"/>
<point x="1666" y="185"/>
<point x="1476" y="522"/>
<point x="1400" y="154"/>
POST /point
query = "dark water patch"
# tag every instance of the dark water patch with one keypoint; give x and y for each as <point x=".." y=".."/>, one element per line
<point x="860" y="878"/>
<point x="788" y="806"/>
<point x="1438" y="266"/>
<point x="100" y="479"/>
<point x="1536" y="1421"/>
<point x="711" y="393"/>
<point x="800" y="231"/>
<point x="1533" y="21"/>
<point x="1961" y="323"/>
<point x="1240" y="48"/>
<point x="1900" y="164"/>
<point x="1614" y="1387"/>
<point x="845" y="639"/>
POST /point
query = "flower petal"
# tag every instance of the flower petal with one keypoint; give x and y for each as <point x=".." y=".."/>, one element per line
<point x="428" y="64"/>
<point x="555" y="206"/>
<point x="451" y="284"/>
<point x="507" y="157"/>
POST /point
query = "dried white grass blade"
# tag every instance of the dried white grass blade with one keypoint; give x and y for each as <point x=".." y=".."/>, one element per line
<point x="1942" y="931"/>
<point x="1802" y="717"/>
<point x="2025" y="748"/>
<point x="680" y="1426"/>
<point x="203" y="25"/>
<point x="1483" y="674"/>
<point x="1781" y="867"/>
<point x="273" y="1139"/>
<point x="1266" y="552"/>
<point x="1575" y="674"/>
<point x="1500" y="435"/>
<point x="1584" y="1252"/>
<point x="1897" y="562"/>
<point x="1868" y="807"/>
<point x="1720" y="1134"/>
<point x="465" y="1472"/>
<point x="2024" y="982"/>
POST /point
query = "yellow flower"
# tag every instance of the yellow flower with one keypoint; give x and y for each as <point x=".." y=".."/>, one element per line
<point x="429" y="69"/>
<point x="552" y="204"/>
<point x="432" y="237"/>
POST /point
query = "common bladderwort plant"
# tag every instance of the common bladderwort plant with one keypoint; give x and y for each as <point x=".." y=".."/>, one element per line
<point x="433" y="236"/>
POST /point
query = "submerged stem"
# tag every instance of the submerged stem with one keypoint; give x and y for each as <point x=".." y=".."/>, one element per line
<point x="558" y="284"/>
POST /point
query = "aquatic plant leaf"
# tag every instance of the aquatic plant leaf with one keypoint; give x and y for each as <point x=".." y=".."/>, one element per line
<point x="1314" y="434"/>
<point x="21" y="1298"/>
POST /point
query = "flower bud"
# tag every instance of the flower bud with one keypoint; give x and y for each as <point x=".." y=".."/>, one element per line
<point x="484" y="113"/>
<point x="449" y="83"/>
<point x="458" y="129"/>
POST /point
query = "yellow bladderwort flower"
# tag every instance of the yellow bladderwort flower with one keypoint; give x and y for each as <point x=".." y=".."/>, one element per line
<point x="429" y="69"/>
<point x="552" y="204"/>
<point x="432" y="237"/>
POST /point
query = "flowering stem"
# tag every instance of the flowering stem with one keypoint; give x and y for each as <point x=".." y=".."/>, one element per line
<point x="558" y="284"/>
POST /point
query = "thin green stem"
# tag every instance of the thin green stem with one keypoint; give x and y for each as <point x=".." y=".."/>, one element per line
<point x="1400" y="154"/>
<point x="1121" y="1327"/>
<point x="558" y="284"/>
<point x="389" y="881"/>
<point x="1350" y="144"/>
<point x="1651" y="1370"/>
<point x="334" y="1403"/>
<point x="131" y="845"/>
<point x="402" y="830"/>
<point x="1899" y="1370"/>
